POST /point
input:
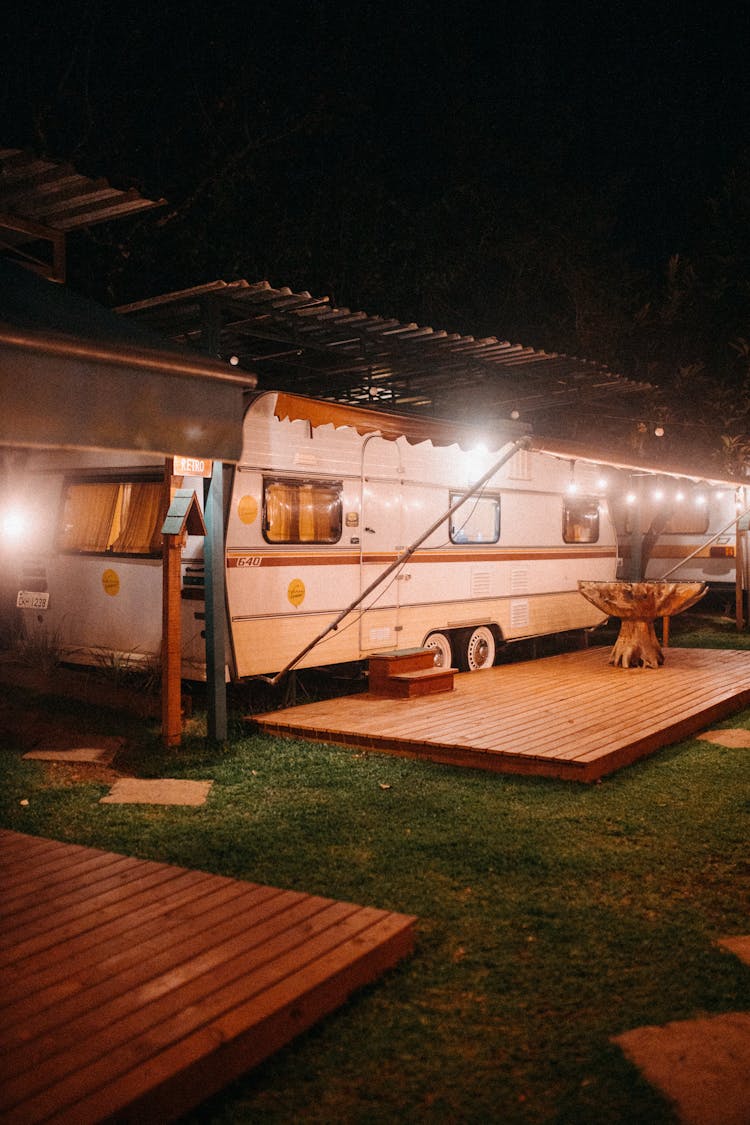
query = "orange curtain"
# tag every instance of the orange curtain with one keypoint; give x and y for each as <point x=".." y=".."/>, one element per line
<point x="140" y="525"/>
<point x="88" y="516"/>
<point x="280" y="507"/>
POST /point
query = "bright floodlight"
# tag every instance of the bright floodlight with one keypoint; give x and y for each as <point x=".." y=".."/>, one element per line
<point x="14" y="525"/>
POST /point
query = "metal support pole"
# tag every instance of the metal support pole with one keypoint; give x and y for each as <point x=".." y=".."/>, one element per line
<point x="171" y="681"/>
<point x="635" y="570"/>
<point x="213" y="503"/>
<point x="171" y="643"/>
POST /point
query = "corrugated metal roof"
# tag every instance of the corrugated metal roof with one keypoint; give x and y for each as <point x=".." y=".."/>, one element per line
<point x="305" y="344"/>
<point x="75" y="375"/>
<point x="43" y="199"/>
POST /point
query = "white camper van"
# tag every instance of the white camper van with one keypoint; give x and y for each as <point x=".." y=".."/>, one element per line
<point x="689" y="526"/>
<point x="325" y="500"/>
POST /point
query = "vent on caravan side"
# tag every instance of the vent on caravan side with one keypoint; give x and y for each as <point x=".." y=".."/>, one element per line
<point x="519" y="466"/>
<point x="480" y="583"/>
<point x="519" y="615"/>
<point x="33" y="575"/>
<point x="519" y="580"/>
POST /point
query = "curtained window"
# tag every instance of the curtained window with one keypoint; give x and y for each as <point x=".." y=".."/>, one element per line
<point x="302" y="511"/>
<point x="119" y="517"/>
<point x="682" y="519"/>
<point x="580" y="520"/>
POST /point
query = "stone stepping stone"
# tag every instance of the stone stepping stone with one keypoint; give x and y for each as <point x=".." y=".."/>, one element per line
<point x="161" y="791"/>
<point x="103" y="752"/>
<point x="733" y="736"/>
<point x="701" y="1065"/>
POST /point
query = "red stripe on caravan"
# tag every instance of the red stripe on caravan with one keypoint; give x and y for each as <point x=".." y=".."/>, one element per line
<point x="242" y="561"/>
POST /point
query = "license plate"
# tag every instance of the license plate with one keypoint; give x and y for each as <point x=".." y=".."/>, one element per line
<point x="32" y="599"/>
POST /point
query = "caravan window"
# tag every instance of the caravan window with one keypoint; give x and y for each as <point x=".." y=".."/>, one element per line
<point x="687" y="519"/>
<point x="106" y="515"/>
<point x="476" y="521"/>
<point x="580" y="520"/>
<point x="302" y="511"/>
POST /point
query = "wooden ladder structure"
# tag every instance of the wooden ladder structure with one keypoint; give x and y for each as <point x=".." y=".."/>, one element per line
<point x="408" y="674"/>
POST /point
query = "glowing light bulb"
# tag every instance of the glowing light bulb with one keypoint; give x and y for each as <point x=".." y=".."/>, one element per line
<point x="630" y="498"/>
<point x="659" y="431"/>
<point x="679" y="497"/>
<point x="658" y="494"/>
<point x="14" y="525"/>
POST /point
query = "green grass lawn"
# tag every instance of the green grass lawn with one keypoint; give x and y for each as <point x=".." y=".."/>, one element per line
<point x="552" y="916"/>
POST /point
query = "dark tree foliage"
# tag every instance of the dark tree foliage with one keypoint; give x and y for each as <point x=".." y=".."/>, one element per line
<point x="576" y="184"/>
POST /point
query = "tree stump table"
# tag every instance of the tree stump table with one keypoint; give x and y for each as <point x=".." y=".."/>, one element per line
<point x="638" y="604"/>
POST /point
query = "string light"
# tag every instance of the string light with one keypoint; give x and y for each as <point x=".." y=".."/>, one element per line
<point x="572" y="486"/>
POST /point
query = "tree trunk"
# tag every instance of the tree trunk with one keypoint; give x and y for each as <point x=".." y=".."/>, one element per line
<point x="637" y="646"/>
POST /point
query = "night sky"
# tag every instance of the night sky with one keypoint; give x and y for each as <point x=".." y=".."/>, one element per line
<point x="480" y="167"/>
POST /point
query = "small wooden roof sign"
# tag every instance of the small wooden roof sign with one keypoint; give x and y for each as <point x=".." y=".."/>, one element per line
<point x="184" y="514"/>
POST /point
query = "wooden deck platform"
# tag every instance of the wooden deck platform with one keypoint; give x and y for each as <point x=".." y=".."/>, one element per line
<point x="134" y="990"/>
<point x="573" y="716"/>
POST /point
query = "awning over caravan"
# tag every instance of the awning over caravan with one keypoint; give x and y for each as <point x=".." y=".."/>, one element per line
<point x="391" y="426"/>
<point x="75" y="375"/>
<point x="574" y="451"/>
<point x="415" y="429"/>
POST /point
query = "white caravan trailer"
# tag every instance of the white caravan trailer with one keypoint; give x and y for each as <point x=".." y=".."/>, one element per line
<point x="672" y="522"/>
<point x="324" y="500"/>
<point x="690" y="527"/>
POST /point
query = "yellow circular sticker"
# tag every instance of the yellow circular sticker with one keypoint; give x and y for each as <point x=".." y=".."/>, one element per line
<point x="111" y="583"/>
<point x="247" y="509"/>
<point x="296" y="591"/>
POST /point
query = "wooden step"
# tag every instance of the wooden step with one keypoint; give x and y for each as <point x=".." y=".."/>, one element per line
<point x="410" y="685"/>
<point x="383" y="665"/>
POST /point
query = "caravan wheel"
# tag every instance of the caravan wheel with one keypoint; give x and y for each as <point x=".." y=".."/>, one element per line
<point x="440" y="643"/>
<point x="478" y="649"/>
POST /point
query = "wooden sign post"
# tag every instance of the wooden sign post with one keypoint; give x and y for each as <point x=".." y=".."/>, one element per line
<point x="184" y="517"/>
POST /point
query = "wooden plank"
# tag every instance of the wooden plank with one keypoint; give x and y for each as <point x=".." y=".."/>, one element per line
<point x="571" y="716"/>
<point x="139" y="965"/>
<point x="184" y="1073"/>
<point x="133" y="1046"/>
<point x="101" y="950"/>
<point x="89" y="1029"/>
<point x="79" y="919"/>
<point x="222" y="974"/>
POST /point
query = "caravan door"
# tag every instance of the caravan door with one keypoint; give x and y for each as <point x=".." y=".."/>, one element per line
<point x="381" y="541"/>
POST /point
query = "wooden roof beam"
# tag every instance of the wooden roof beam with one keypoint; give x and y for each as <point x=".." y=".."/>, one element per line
<point x="32" y="231"/>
